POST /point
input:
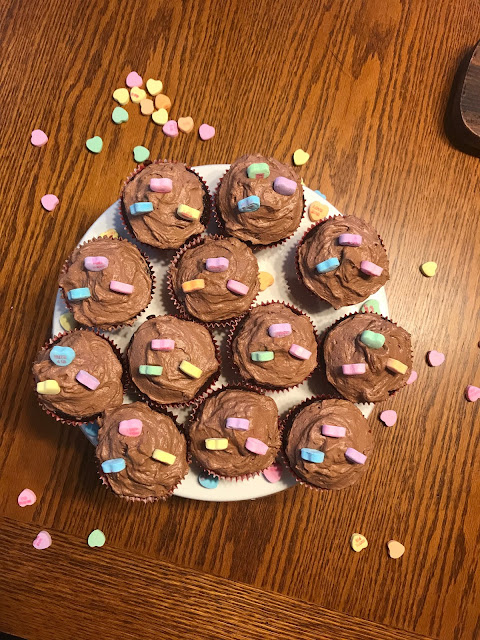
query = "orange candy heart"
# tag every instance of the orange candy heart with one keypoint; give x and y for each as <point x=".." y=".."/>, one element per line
<point x="266" y="280"/>
<point x="185" y="124"/>
<point x="317" y="211"/>
<point x="162" y="101"/>
<point x="146" y="106"/>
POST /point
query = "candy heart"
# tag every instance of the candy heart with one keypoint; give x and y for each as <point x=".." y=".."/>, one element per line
<point x="49" y="201"/>
<point x="265" y="279"/>
<point x="96" y="538"/>
<point x="95" y="144"/>
<point x="162" y="101"/>
<point x="428" y="269"/>
<point x="472" y="393"/>
<point x="137" y="95"/>
<point x="395" y="549"/>
<point x="170" y="128"/>
<point x="185" y="124"/>
<point x="154" y="86"/>
<point x="358" y="542"/>
<point x="273" y="473"/>
<point x="146" y="106"/>
<point x="160" y="116"/>
<point x="435" y="358"/>
<point x="67" y="321"/>
<point x="119" y="115"/>
<point x="208" y="481"/>
<point x="388" y="417"/>
<point x="413" y="377"/>
<point x="43" y="540"/>
<point x="134" y="80"/>
<point x="26" y="498"/>
<point x="109" y="233"/>
<point x="300" y="157"/>
<point x="205" y="131"/>
<point x="38" y="138"/>
<point x="140" y="154"/>
<point x="62" y="356"/>
<point x="121" y="96"/>
<point x="317" y="211"/>
<point x="370" y="306"/>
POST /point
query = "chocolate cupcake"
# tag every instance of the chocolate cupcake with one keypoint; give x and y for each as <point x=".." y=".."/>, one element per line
<point x="342" y="260"/>
<point x="78" y="375"/>
<point x="274" y="346"/>
<point x="214" y="279"/>
<point x="142" y="454"/>
<point x="260" y="200"/>
<point x="367" y="357"/>
<point x="327" y="443"/>
<point x="164" y="204"/>
<point x="170" y="361"/>
<point x="106" y="283"/>
<point x="234" y="433"/>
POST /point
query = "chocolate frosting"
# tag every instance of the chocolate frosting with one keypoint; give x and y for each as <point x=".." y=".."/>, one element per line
<point x="143" y="477"/>
<point x="335" y="472"/>
<point x="162" y="227"/>
<point x="343" y="346"/>
<point x="215" y="302"/>
<point x="106" y="308"/>
<point x="278" y="215"/>
<point x="347" y="284"/>
<point x="94" y="355"/>
<point x="252" y="335"/>
<point x="193" y="343"/>
<point x="209" y="422"/>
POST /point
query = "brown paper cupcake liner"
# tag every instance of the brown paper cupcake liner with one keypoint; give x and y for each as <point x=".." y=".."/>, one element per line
<point x="112" y="327"/>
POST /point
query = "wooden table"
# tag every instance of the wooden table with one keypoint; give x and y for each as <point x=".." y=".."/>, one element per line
<point x="363" y="86"/>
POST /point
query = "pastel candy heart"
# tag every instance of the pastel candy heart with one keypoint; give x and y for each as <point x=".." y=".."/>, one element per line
<point x="96" y="538"/>
<point x="262" y="356"/>
<point x="26" y="498"/>
<point x="256" y="446"/>
<point x="190" y="369"/>
<point x="170" y="129"/>
<point x="43" y="540"/>
<point x="163" y="456"/>
<point x="162" y="344"/>
<point x="109" y="233"/>
<point x="370" y="268"/>
<point x="354" y="369"/>
<point x="154" y="87"/>
<point x="280" y="330"/>
<point x="38" y="138"/>
<point x="299" y="352"/>
<point x="146" y="106"/>
<point x="472" y="393"/>
<point x="87" y="380"/>
<point x="370" y="306"/>
<point x="237" y="287"/>
<point x="186" y="124"/>
<point x="372" y="339"/>
<point x="250" y="203"/>
<point x="413" y="377"/>
<point x="161" y="185"/>
<point x="95" y="144"/>
<point x="317" y="211"/>
<point x="327" y="265"/>
<point x="259" y="170"/>
<point x="114" y="465"/>
<point x="265" y="279"/>
<point x="207" y="481"/>
<point x="388" y="417"/>
<point x="273" y="473"/>
<point x="121" y="96"/>
<point x="429" y="269"/>
<point x="358" y="542"/>
<point x="121" y="287"/>
<point x="312" y="455"/>
<point x="241" y="424"/>
<point x="62" y="356"/>
<point x="95" y="263"/>
<point x="300" y="157"/>
<point x="216" y="265"/>
<point x="216" y="444"/>
<point x="435" y="358"/>
<point x="284" y="186"/>
<point x="395" y="549"/>
<point x="150" y="370"/>
<point x="205" y="131"/>
<point x="119" y="115"/>
<point x="160" y="116"/>
<point x="332" y="431"/>
<point x="162" y="102"/>
<point x="134" y="80"/>
<point x="137" y="95"/>
<point x="349" y="239"/>
<point x="140" y="154"/>
<point x="352" y="455"/>
<point x="67" y="321"/>
<point x="49" y="201"/>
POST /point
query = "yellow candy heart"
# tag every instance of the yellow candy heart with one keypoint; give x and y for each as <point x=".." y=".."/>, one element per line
<point x="154" y="86"/>
<point x="121" y="96"/>
<point x="137" y="94"/>
<point x="395" y="549"/>
<point x="317" y="211"/>
<point x="146" y="106"/>
<point x="109" y="233"/>
<point x="160" y="116"/>
<point x="358" y="542"/>
<point x="428" y="269"/>
<point x="266" y="280"/>
<point x="67" y="321"/>
<point x="300" y="157"/>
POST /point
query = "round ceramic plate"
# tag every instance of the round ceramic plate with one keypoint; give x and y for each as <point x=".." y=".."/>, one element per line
<point x="278" y="261"/>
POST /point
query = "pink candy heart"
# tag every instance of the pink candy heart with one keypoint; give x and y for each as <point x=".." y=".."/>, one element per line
<point x="388" y="417"/>
<point x="43" y="540"/>
<point x="205" y="131"/>
<point x="273" y="473"/>
<point x="472" y="393"/>
<point x="435" y="358"/>
<point x="134" y="80"/>
<point x="413" y="377"/>
<point x="49" y="201"/>
<point x="170" y="128"/>
<point x="38" y="138"/>
<point x="26" y="498"/>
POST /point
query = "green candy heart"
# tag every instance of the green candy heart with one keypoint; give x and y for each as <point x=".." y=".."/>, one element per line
<point x="372" y="339"/>
<point x="140" y="154"/>
<point x="262" y="356"/>
<point x="370" y="306"/>
<point x="95" y="144"/>
<point x="96" y="538"/>
<point x="119" y="115"/>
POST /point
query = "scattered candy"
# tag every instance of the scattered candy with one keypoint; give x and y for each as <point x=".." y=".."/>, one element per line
<point x="122" y="96"/>
<point x="67" y="321"/>
<point x="193" y="285"/>
<point x="332" y="431"/>
<point x="428" y="269"/>
<point x="96" y="538"/>
<point x="237" y="287"/>
<point x="352" y="455"/>
<point x="262" y="356"/>
<point x="154" y="87"/>
<point x="370" y="306"/>
<point x="121" y="287"/>
<point x="190" y="369"/>
<point x="163" y="344"/>
<point x="354" y="369"/>
<point x="146" y="107"/>
<point x="43" y="540"/>
<point x="472" y="393"/>
<point x="95" y="263"/>
<point x="273" y="473"/>
<point x="435" y="358"/>
<point x="358" y="542"/>
<point x="91" y="431"/>
<point x="87" y="380"/>
<point x="137" y="95"/>
<point x="280" y="330"/>
<point x="160" y="116"/>
<point x="161" y="185"/>
<point x="49" y="201"/>
<point x="130" y="428"/>
<point x="109" y="233"/>
<point x="188" y="213"/>
<point x="251" y="203"/>
<point x="216" y="444"/>
<point x="140" y="154"/>
<point x="258" y="170"/>
<point x="216" y="265"/>
<point x="162" y="102"/>
<point x="312" y="455"/>
<point x="265" y="279"/>
<point x="114" y="465"/>
<point x="38" y="138"/>
<point x="396" y="366"/>
<point x="395" y="549"/>
<point x="350" y="239"/>
<point x="327" y="265"/>
<point x="62" y="356"/>
<point x="140" y="207"/>
<point x="284" y="186"/>
<point x="134" y="80"/>
<point x="322" y="195"/>
<point x="150" y="370"/>
<point x="48" y="388"/>
<point x="170" y="128"/>
<point x="413" y="377"/>
<point x="299" y="352"/>
<point x="207" y="481"/>
<point x="95" y="144"/>
<point x="205" y="131"/>
<point x="256" y="446"/>
<point x="241" y="424"/>
<point x="389" y="417"/>
<point x="26" y="498"/>
<point x="163" y="456"/>
<point x="300" y="157"/>
<point x="372" y="339"/>
<point x="317" y="211"/>
<point x="119" y="115"/>
<point x="185" y="124"/>
<point x="82" y="293"/>
<point x="370" y="269"/>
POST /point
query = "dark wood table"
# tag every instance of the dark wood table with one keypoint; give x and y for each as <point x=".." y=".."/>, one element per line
<point x="363" y="86"/>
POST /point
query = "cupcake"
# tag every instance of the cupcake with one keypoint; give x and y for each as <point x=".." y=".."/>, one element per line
<point x="164" y="204"/>
<point x="106" y="283"/>
<point x="170" y="360"/>
<point x="78" y="375"/>
<point x="342" y="260"/>
<point x="214" y="279"/>
<point x="260" y="200"/>
<point x="327" y="443"/>
<point x="142" y="454"/>
<point x="234" y="433"/>
<point x="367" y="357"/>
<point x="274" y="346"/>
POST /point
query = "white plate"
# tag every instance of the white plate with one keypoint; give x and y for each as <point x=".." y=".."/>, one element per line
<point x="279" y="262"/>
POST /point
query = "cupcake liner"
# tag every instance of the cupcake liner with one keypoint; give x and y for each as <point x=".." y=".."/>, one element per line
<point x="217" y="324"/>
<point x="128" y="323"/>
<point x="58" y="416"/>
<point x="254" y="247"/>
<point x="233" y="331"/>
<point x="207" y="202"/>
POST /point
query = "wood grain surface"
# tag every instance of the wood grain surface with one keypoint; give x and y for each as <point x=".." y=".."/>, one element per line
<point x="363" y="86"/>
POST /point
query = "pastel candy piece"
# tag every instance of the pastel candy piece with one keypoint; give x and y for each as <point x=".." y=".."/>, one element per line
<point x="265" y="279"/>
<point x="170" y="129"/>
<point x="300" y="157"/>
<point x="134" y="80"/>
<point x="237" y="287"/>
<point x="372" y="339"/>
<point x="114" y="465"/>
<point x="163" y="456"/>
<point x="284" y="186"/>
<point x="62" y="356"/>
<point x="121" y="287"/>
<point x="370" y="268"/>
<point x="388" y="417"/>
<point x="395" y="549"/>
<point x="187" y="213"/>
<point x="140" y="154"/>
<point x="280" y="330"/>
<point x="154" y="87"/>
<point x="150" y="370"/>
<point x="332" y="431"/>
<point x="43" y="540"/>
<point x="273" y="473"/>
<point x="163" y="344"/>
<point x="472" y="393"/>
<point x="89" y="381"/>
<point x="90" y="429"/>
<point x="435" y="358"/>
<point x="251" y="203"/>
<point x="95" y="263"/>
<point x="241" y="424"/>
<point x="190" y="369"/>
<point x="299" y="352"/>
<point x="26" y="498"/>
<point x="207" y="481"/>
<point x="317" y="211"/>
<point x="193" y="285"/>
<point x="137" y="95"/>
<point x="216" y="265"/>
<point x="160" y="116"/>
<point x="161" y="185"/>
<point x="162" y="101"/>
<point x="130" y="428"/>
<point x="322" y="195"/>
<point x="256" y="446"/>
<point x="48" y="388"/>
<point x="262" y="356"/>
<point x="146" y="106"/>
<point x="38" y="138"/>
<point x="396" y="366"/>
<point x="186" y="124"/>
<point x="67" y="321"/>
<point x="82" y="293"/>
<point x="358" y="542"/>
<point x="216" y="444"/>
<point x="122" y="96"/>
<point x="109" y="233"/>
<point x="354" y="369"/>
<point x="95" y="144"/>
<point x="350" y="239"/>
<point x="413" y="377"/>
<point x="429" y="269"/>
<point x="140" y="207"/>
<point x="312" y="455"/>
<point x="96" y="538"/>
<point x="206" y="131"/>
<point x="119" y="115"/>
<point x="370" y="306"/>
<point x="258" y="170"/>
<point x="327" y="265"/>
<point x="49" y="201"/>
<point x="352" y="455"/>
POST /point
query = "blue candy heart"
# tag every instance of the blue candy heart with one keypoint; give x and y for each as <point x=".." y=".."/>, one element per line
<point x="312" y="455"/>
<point x="208" y="481"/>
<point x="62" y="355"/>
<point x="114" y="465"/>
